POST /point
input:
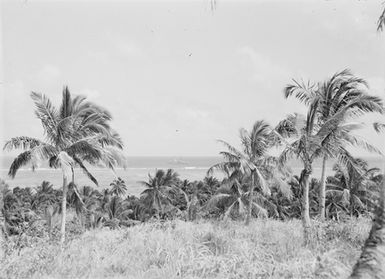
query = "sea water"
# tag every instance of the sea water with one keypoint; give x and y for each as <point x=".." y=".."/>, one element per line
<point x="139" y="168"/>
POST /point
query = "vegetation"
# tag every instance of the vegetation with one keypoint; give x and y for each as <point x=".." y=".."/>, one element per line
<point x="326" y="131"/>
<point x="206" y="249"/>
<point x="251" y="166"/>
<point x="75" y="133"/>
<point x="256" y="185"/>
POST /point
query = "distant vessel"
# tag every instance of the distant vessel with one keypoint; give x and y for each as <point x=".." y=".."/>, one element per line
<point x="178" y="162"/>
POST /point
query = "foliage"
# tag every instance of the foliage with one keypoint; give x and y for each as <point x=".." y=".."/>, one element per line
<point x="178" y="249"/>
<point x="119" y="187"/>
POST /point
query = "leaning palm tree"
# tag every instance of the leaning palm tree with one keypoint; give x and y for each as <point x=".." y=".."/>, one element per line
<point x="343" y="90"/>
<point x="252" y="161"/>
<point x="75" y="133"/>
<point x="304" y="138"/>
<point x="157" y="195"/>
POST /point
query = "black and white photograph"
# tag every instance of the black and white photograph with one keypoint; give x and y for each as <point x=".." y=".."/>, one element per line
<point x="187" y="139"/>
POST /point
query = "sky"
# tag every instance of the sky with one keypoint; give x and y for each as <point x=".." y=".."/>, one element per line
<point x="178" y="75"/>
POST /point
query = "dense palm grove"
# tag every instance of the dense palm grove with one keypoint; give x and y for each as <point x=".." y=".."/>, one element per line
<point x="28" y="211"/>
<point x="255" y="184"/>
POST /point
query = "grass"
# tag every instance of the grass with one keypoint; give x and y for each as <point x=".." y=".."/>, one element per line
<point x="178" y="249"/>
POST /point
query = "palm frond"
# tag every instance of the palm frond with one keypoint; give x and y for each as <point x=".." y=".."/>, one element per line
<point x="259" y="210"/>
<point x="262" y="182"/>
<point x="47" y="114"/>
<point x="381" y="21"/>
<point x="235" y="152"/>
<point x="22" y="142"/>
<point x="216" y="199"/>
<point x="85" y="170"/>
<point x="305" y="93"/>
<point x="379" y="127"/>
<point x="229" y="210"/>
<point x="21" y="160"/>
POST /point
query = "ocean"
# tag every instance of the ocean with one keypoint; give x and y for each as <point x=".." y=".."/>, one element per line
<point x="138" y="168"/>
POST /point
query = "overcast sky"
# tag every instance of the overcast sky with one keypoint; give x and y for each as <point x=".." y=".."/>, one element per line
<point x="176" y="75"/>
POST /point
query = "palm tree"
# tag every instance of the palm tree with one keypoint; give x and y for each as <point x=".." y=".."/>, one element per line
<point x="119" y="187"/>
<point x="117" y="212"/>
<point x="305" y="137"/>
<point x="78" y="132"/>
<point x="343" y="92"/>
<point x="353" y="187"/>
<point x="252" y="161"/>
<point x="85" y="202"/>
<point x="45" y="196"/>
<point x="233" y="198"/>
<point x="159" y="186"/>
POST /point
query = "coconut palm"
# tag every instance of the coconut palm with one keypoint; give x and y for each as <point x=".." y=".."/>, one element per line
<point x="252" y="161"/>
<point x="77" y="132"/>
<point x="304" y="138"/>
<point x="353" y="188"/>
<point x="85" y="201"/>
<point x="118" y="212"/>
<point x="45" y="196"/>
<point x="119" y="187"/>
<point x="343" y="90"/>
<point x="157" y="195"/>
<point x="233" y="198"/>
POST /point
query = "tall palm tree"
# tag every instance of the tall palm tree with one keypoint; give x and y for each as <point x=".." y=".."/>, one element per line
<point x="159" y="186"/>
<point x="77" y="132"/>
<point x="252" y="161"/>
<point x="304" y="137"/>
<point x="343" y="90"/>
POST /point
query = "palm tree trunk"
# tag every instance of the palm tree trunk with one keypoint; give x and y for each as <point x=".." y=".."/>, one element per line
<point x="63" y="212"/>
<point x="371" y="263"/>
<point x="249" y="209"/>
<point x="322" y="190"/>
<point x="2" y="226"/>
<point x="304" y="181"/>
<point x="73" y="175"/>
<point x="351" y="205"/>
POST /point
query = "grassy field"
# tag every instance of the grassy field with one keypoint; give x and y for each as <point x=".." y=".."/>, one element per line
<point x="177" y="249"/>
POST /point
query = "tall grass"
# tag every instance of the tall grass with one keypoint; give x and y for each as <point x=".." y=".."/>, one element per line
<point x="177" y="249"/>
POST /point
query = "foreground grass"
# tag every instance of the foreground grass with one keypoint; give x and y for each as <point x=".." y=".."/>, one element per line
<point x="177" y="249"/>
